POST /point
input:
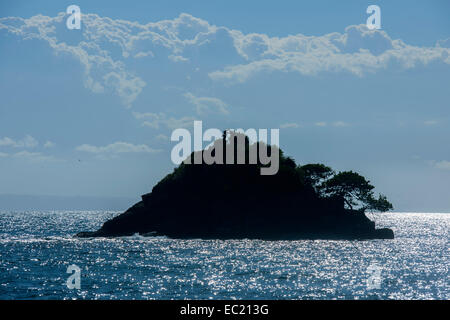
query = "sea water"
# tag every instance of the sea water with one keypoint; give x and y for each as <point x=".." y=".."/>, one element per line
<point x="37" y="248"/>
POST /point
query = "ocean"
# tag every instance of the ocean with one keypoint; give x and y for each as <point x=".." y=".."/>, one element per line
<point x="37" y="249"/>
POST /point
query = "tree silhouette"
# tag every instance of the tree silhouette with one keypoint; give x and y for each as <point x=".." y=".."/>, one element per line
<point x="355" y="190"/>
<point x="315" y="175"/>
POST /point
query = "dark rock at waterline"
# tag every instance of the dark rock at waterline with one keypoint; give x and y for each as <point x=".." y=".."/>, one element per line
<point x="235" y="202"/>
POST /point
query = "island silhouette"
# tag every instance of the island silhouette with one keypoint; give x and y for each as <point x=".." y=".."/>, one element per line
<point x="234" y="201"/>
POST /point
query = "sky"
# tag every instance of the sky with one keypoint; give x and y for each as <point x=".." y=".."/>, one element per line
<point x="90" y="112"/>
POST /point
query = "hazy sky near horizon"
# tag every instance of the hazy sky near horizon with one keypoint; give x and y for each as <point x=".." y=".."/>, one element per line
<point x="90" y="111"/>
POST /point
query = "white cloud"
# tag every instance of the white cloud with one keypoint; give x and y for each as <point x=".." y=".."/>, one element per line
<point x="357" y="51"/>
<point x="289" y="125"/>
<point x="152" y="120"/>
<point x="143" y="54"/>
<point x="146" y="115"/>
<point x="3" y="155"/>
<point x="100" y="69"/>
<point x="107" y="44"/>
<point x="340" y="124"/>
<point x="49" y="144"/>
<point x="444" y="43"/>
<point x="117" y="148"/>
<point x="128" y="88"/>
<point x="155" y="120"/>
<point x="430" y="122"/>
<point x="184" y="122"/>
<point x="162" y="137"/>
<point x="34" y="156"/>
<point x="176" y="58"/>
<point x="204" y="105"/>
<point x="27" y="142"/>
<point x="444" y="164"/>
<point x="7" y="142"/>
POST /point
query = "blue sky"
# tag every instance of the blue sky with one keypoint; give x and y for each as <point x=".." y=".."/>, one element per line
<point x="90" y="111"/>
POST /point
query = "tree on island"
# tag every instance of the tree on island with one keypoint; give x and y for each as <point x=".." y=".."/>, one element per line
<point x="354" y="189"/>
<point x="315" y="174"/>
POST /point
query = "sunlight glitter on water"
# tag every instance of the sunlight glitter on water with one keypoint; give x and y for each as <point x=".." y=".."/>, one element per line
<point x="37" y="247"/>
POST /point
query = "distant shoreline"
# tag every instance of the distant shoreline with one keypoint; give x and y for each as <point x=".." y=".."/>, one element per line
<point x="49" y="202"/>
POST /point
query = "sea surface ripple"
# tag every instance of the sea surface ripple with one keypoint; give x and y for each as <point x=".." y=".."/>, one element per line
<point x="36" y="248"/>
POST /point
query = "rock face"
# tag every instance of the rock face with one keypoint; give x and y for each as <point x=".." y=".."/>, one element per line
<point x="234" y="201"/>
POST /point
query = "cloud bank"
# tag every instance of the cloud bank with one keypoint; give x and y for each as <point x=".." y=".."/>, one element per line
<point x="105" y="47"/>
<point x="117" y="148"/>
<point x="27" y="142"/>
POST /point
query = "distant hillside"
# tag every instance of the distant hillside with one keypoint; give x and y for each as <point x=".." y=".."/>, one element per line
<point x="39" y="202"/>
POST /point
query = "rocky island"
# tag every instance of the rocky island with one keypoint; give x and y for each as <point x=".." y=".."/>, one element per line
<point x="234" y="201"/>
